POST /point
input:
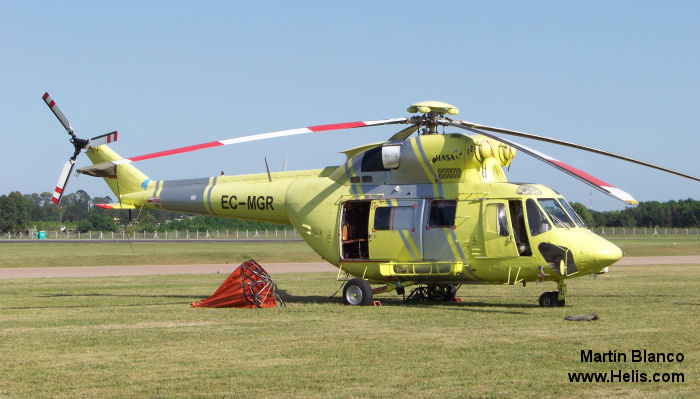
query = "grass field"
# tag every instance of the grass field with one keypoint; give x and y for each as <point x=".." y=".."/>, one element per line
<point x="666" y="246"/>
<point x="47" y="254"/>
<point x="134" y="337"/>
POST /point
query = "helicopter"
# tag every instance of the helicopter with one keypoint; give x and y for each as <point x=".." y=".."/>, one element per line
<point x="433" y="211"/>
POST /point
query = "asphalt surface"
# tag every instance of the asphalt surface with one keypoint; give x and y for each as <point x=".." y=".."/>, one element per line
<point x="273" y="268"/>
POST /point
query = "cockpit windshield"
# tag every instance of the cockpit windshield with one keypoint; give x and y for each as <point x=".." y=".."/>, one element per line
<point x="556" y="213"/>
<point x="572" y="213"/>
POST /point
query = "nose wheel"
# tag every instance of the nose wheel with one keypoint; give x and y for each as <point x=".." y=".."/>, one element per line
<point x="553" y="299"/>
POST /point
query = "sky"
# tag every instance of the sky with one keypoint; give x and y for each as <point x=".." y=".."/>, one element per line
<point x="623" y="76"/>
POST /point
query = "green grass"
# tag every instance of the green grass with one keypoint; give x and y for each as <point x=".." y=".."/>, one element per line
<point x="660" y="246"/>
<point x="47" y="254"/>
<point x="134" y="337"/>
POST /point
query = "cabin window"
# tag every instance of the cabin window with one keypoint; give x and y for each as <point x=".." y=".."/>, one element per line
<point x="577" y="219"/>
<point x="394" y="218"/>
<point x="556" y="213"/>
<point x="442" y="213"/>
<point x="535" y="218"/>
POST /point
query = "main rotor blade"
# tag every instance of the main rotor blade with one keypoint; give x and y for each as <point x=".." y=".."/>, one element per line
<point x="572" y="145"/>
<point x="403" y="134"/>
<point x="592" y="181"/>
<point x="62" y="180"/>
<point x="57" y="111"/>
<point x="262" y="136"/>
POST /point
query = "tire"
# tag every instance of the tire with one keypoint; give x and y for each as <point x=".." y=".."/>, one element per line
<point x="549" y="299"/>
<point x="357" y="292"/>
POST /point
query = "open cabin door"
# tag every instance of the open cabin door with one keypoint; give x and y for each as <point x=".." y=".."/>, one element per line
<point x="394" y="230"/>
<point x="499" y="240"/>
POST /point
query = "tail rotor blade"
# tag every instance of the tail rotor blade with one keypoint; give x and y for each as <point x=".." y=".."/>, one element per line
<point x="103" y="139"/>
<point x="57" y="111"/>
<point x="62" y="180"/>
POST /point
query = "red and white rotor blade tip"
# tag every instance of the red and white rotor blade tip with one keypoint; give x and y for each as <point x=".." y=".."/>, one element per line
<point x="110" y="137"/>
<point x="57" y="111"/>
<point x="62" y="181"/>
<point x="591" y="180"/>
<point x="607" y="188"/>
<point x="262" y="136"/>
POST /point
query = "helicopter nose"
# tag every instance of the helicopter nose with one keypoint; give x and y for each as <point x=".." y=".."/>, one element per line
<point x="606" y="253"/>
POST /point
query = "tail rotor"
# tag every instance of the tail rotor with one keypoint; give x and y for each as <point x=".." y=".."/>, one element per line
<point x="78" y="145"/>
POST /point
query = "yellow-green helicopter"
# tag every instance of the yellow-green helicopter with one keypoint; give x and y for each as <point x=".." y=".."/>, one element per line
<point x="434" y="210"/>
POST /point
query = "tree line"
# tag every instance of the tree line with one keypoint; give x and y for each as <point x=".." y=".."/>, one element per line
<point x="683" y="213"/>
<point x="20" y="212"/>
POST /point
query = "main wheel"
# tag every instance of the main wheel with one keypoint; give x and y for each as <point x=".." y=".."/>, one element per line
<point x="357" y="292"/>
<point x="549" y="299"/>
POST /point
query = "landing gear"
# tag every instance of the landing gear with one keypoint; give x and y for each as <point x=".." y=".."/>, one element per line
<point x="554" y="298"/>
<point x="357" y="292"/>
<point x="549" y="299"/>
<point x="432" y="292"/>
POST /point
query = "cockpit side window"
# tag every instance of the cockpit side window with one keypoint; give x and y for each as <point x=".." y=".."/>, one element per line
<point x="496" y="220"/>
<point x="577" y="219"/>
<point x="535" y="218"/>
<point x="556" y="213"/>
<point x="503" y="229"/>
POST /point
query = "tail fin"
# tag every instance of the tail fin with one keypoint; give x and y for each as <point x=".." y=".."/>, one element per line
<point x="128" y="178"/>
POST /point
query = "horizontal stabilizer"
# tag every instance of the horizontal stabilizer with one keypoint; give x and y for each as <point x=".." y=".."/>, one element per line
<point x="115" y="206"/>
<point x="105" y="169"/>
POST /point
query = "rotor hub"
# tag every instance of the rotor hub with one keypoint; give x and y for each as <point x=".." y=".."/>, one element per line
<point x="433" y="115"/>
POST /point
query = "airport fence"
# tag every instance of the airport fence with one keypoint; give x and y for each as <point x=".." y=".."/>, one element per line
<point x="647" y="232"/>
<point x="174" y="235"/>
<point x="290" y="234"/>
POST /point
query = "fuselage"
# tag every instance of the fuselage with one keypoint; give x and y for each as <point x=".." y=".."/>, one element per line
<point x="433" y="208"/>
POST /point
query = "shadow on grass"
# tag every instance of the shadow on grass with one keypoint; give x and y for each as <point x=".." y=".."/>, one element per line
<point x="463" y="306"/>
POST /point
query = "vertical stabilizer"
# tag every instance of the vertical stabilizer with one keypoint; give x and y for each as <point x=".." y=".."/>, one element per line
<point x="128" y="178"/>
